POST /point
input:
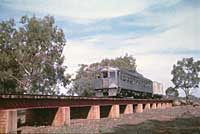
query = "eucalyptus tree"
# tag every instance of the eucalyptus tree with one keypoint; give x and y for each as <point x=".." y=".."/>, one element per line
<point x="186" y="75"/>
<point x="31" y="59"/>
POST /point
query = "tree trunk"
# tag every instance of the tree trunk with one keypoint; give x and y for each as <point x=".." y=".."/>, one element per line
<point x="187" y="93"/>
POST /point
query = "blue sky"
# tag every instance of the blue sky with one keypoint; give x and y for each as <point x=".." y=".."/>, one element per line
<point x="156" y="32"/>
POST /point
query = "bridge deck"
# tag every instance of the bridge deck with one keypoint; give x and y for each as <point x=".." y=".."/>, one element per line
<point x="49" y="101"/>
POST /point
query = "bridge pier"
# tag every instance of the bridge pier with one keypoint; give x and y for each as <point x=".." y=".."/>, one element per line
<point x="139" y="108"/>
<point x="8" y="121"/>
<point x="62" y="117"/>
<point x="167" y="105"/>
<point x="163" y="106"/>
<point x="159" y="106"/>
<point x="128" y="109"/>
<point x="153" y="106"/>
<point x="94" y="112"/>
<point x="147" y="106"/>
<point x="114" y="111"/>
<point x="170" y="105"/>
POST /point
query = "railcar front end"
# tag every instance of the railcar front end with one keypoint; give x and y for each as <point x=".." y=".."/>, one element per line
<point x="106" y="82"/>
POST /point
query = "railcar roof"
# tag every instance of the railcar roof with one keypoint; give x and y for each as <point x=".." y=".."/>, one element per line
<point x="130" y="72"/>
<point x="134" y="73"/>
<point x="108" y="68"/>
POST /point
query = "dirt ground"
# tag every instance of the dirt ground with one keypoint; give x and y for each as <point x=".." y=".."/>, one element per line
<point x="176" y="120"/>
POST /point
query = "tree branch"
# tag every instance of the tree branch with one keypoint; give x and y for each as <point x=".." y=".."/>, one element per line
<point x="26" y="71"/>
<point x="16" y="79"/>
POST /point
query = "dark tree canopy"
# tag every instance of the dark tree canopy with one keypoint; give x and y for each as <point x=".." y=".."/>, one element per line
<point x="186" y="75"/>
<point x="83" y="83"/>
<point x="31" y="56"/>
<point x="172" y="92"/>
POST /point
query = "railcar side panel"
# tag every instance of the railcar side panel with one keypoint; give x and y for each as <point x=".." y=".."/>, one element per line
<point x="131" y="82"/>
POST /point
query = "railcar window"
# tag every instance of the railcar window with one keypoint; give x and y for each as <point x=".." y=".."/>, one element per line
<point x="112" y="74"/>
<point x="124" y="78"/>
<point x="131" y="80"/>
<point x="137" y="83"/>
<point x="127" y="79"/>
<point x="105" y="74"/>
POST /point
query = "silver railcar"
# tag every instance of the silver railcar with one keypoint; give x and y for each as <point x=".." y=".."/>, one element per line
<point x="111" y="81"/>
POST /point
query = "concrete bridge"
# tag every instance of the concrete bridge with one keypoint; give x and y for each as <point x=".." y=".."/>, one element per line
<point x="59" y="110"/>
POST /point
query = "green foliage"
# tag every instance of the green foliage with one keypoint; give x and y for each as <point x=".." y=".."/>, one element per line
<point x="31" y="56"/>
<point x="83" y="83"/>
<point x="186" y="75"/>
<point x="125" y="62"/>
<point x="172" y="92"/>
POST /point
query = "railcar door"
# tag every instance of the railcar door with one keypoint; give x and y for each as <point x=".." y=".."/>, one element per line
<point x="98" y="81"/>
<point x="112" y="79"/>
<point x="105" y="79"/>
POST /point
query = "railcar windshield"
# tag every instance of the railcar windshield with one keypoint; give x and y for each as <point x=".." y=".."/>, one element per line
<point x="105" y="74"/>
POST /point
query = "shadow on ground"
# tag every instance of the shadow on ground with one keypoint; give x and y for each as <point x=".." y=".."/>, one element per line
<point x="177" y="126"/>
